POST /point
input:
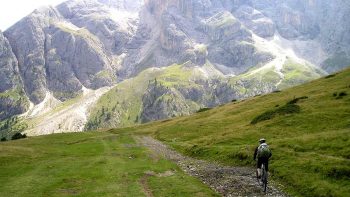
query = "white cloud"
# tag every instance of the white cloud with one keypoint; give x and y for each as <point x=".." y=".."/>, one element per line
<point x="11" y="11"/>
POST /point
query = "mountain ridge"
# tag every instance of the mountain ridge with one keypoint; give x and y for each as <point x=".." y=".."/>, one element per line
<point x="91" y="44"/>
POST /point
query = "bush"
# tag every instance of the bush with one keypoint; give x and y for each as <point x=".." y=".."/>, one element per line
<point x="17" y="136"/>
<point x="203" y="110"/>
<point x="341" y="95"/>
<point x="296" y="100"/>
<point x="330" y="76"/>
<point x="339" y="172"/>
<point x="234" y="100"/>
<point x="289" y="108"/>
<point x="264" y="116"/>
<point x="3" y="139"/>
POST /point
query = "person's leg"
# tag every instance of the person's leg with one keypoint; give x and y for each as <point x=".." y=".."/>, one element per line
<point x="267" y="165"/>
<point x="258" y="170"/>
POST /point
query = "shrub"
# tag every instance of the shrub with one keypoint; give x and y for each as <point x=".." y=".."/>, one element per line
<point x="341" y="95"/>
<point x="167" y="120"/>
<point x="296" y="100"/>
<point x="17" y="136"/>
<point x="195" y="150"/>
<point x="339" y="172"/>
<point x="289" y="108"/>
<point x="330" y="76"/>
<point x="234" y="100"/>
<point x="3" y="139"/>
<point x="264" y="116"/>
<point x="203" y="110"/>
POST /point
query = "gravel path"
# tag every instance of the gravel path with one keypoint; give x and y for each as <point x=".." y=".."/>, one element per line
<point x="228" y="181"/>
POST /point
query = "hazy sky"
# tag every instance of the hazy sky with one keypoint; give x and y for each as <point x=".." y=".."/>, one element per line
<point x="12" y="11"/>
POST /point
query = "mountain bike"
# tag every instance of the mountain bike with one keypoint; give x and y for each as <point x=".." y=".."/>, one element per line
<point x="263" y="178"/>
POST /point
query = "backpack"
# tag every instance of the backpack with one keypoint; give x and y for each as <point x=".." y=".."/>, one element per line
<point x="264" y="151"/>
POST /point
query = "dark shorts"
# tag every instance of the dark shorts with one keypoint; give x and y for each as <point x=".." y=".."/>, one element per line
<point x="261" y="161"/>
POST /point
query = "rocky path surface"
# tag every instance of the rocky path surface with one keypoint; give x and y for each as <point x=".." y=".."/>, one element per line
<point x="227" y="181"/>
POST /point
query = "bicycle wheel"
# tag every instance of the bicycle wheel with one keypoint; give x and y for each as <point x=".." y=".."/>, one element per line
<point x="264" y="177"/>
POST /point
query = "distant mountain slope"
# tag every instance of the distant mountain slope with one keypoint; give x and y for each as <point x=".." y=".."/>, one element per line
<point x="91" y="44"/>
<point x="307" y="127"/>
<point x="179" y="90"/>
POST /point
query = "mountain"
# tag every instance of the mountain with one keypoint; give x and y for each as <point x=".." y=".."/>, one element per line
<point x="177" y="56"/>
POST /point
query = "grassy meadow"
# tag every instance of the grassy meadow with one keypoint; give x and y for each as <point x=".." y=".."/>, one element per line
<point x="89" y="164"/>
<point x="307" y="127"/>
<point x="311" y="145"/>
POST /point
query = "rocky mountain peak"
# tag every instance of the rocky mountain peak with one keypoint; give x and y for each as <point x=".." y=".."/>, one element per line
<point x="84" y="45"/>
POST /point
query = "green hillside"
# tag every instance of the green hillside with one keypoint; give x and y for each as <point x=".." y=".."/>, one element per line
<point x="123" y="105"/>
<point x="89" y="164"/>
<point x="183" y="89"/>
<point x="308" y="128"/>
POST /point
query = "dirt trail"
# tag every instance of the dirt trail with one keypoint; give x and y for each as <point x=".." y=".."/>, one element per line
<point x="145" y="186"/>
<point x="228" y="181"/>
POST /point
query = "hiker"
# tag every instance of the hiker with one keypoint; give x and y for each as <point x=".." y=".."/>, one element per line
<point x="263" y="154"/>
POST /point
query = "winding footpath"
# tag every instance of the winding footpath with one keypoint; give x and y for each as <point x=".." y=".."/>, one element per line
<point x="227" y="181"/>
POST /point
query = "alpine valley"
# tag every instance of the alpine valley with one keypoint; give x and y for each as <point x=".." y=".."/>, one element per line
<point x="94" y="64"/>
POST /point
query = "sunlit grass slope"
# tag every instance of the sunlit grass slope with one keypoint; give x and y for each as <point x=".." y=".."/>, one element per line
<point x="89" y="164"/>
<point x="311" y="145"/>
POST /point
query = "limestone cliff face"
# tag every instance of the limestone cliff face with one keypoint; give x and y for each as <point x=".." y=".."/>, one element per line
<point x="8" y="66"/>
<point x="73" y="60"/>
<point x="186" y="24"/>
<point x="186" y="7"/>
<point x="256" y="21"/>
<point x="160" y="102"/>
<point x="163" y="102"/>
<point x="55" y="55"/>
<point x="98" y="43"/>
<point x="315" y="21"/>
<point x="322" y="21"/>
<point x="27" y="39"/>
<point x="12" y="97"/>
